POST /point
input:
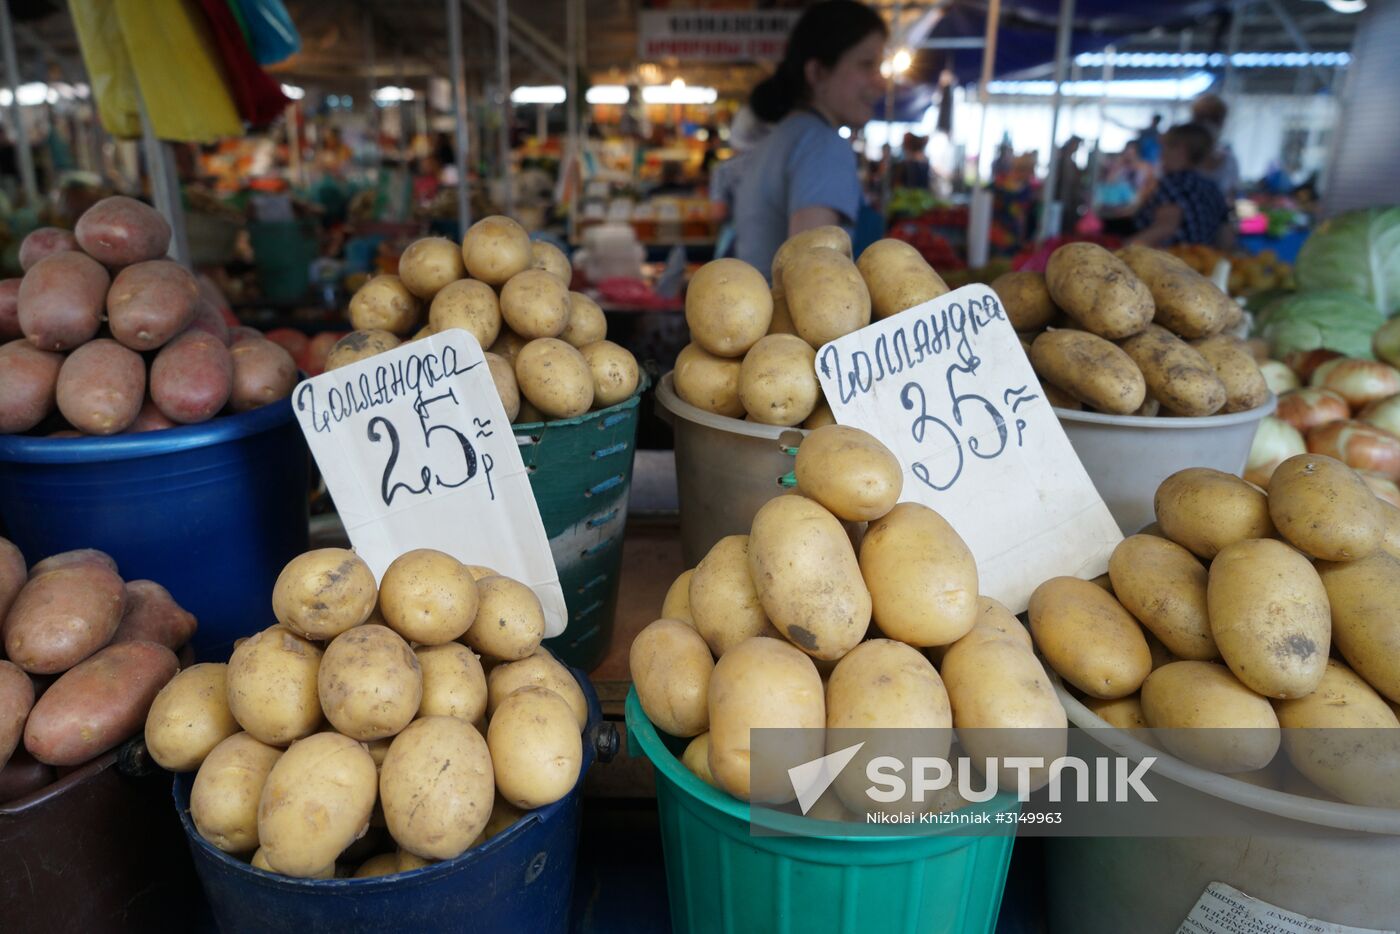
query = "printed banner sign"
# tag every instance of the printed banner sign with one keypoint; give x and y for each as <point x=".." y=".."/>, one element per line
<point x="418" y="452"/>
<point x="947" y="387"/>
<point x="714" y="35"/>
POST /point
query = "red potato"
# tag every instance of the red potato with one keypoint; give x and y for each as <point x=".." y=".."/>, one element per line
<point x="120" y="231"/>
<point x="152" y="615"/>
<point x="192" y="378"/>
<point x="28" y="385"/>
<point x="151" y="302"/>
<point x="23" y="775"/>
<point x="61" y="301"/>
<point x="210" y="320"/>
<point x="149" y="418"/>
<point x="263" y="372"/>
<point x="241" y="334"/>
<point x="61" y="617"/>
<point x="43" y="242"/>
<point x="65" y="433"/>
<point x="99" y="703"/>
<point x="9" y="310"/>
<point x="292" y="340"/>
<point x="1359" y="446"/>
<point x="317" y="350"/>
<point x="13" y="575"/>
<point x="16" y="699"/>
<point x="101" y="387"/>
<point x="78" y="556"/>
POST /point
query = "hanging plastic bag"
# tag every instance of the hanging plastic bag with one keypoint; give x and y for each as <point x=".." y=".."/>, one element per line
<point x="110" y="77"/>
<point x="271" y="33"/>
<point x="259" y="98"/>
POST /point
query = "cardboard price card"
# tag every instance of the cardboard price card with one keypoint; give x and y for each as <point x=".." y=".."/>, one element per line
<point x="947" y="387"/>
<point x="418" y="452"/>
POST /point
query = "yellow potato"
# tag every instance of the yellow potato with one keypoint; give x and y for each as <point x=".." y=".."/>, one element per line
<point x="709" y="382"/>
<point x="555" y="377"/>
<point x="478" y="572"/>
<point x="428" y="597"/>
<point x="503" y="375"/>
<point x="509" y="621"/>
<point x="615" y="373"/>
<point x="1177" y="375"/>
<point x="1322" y="507"/>
<point x="1207" y="717"/>
<point x="454" y="683"/>
<point x="697" y="758"/>
<point x="724" y="602"/>
<point x="541" y="670"/>
<point x="503" y="817"/>
<point x="1187" y="302"/>
<point x="849" y="472"/>
<point x="508" y="345"/>
<point x="437" y="787"/>
<point x="728" y="307"/>
<point x="189" y="717"/>
<point x="778" y="381"/>
<point x="1390" y="528"/>
<point x="430" y="264"/>
<point x="469" y="305"/>
<point x="322" y="593"/>
<point x="829" y="236"/>
<point x="224" y="798"/>
<point x="1269" y="615"/>
<point x="897" y="277"/>
<point x="1366" y="617"/>
<point x="536" y="749"/>
<point x="552" y="260"/>
<point x="763" y="683"/>
<point x="921" y="575"/>
<point x="782" y="318"/>
<point x="826" y="296"/>
<point x="1026" y="300"/>
<point x="535" y="304"/>
<point x="1164" y="586"/>
<point x="1089" y="638"/>
<point x="677" y="602"/>
<point x="671" y="668"/>
<point x="1245" y="387"/>
<point x="587" y="323"/>
<point x="1090" y="369"/>
<point x="807" y="577"/>
<point x="1098" y="290"/>
<point x="820" y="417"/>
<point x="495" y="249"/>
<point x="384" y="303"/>
<point x="316" y="801"/>
<point x="1125" y="713"/>
<point x="1204" y="510"/>
<point x="370" y="683"/>
<point x="272" y="686"/>
<point x="359" y="345"/>
<point x="385" y="864"/>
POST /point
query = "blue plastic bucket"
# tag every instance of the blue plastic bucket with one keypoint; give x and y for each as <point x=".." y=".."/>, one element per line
<point x="521" y="880"/>
<point x="212" y="512"/>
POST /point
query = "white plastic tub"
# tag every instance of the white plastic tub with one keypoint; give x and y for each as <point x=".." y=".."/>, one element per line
<point x="1108" y="885"/>
<point x="1128" y="456"/>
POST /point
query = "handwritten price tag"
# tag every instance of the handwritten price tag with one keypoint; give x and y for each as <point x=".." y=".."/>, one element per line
<point x="947" y="388"/>
<point x="418" y="452"/>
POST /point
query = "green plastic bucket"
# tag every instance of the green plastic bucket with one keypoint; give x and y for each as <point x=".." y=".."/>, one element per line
<point x="581" y="471"/>
<point x="722" y="878"/>
<point x="283" y="252"/>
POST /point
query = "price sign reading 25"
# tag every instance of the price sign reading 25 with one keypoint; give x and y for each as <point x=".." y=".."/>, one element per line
<point x="381" y="429"/>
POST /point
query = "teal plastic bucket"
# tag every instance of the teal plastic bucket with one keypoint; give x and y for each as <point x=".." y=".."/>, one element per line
<point x="283" y="252"/>
<point x="581" y="473"/>
<point x="722" y="878"/>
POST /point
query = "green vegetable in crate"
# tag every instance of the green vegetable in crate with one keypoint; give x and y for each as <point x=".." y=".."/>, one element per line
<point x="1357" y="252"/>
<point x="1334" y="320"/>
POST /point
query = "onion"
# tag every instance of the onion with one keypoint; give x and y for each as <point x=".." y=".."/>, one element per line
<point x="1382" y="486"/>
<point x="1386" y="342"/>
<point x="1258" y="348"/>
<point x="1383" y="413"/>
<point x="1359" y="445"/>
<point x="1303" y="362"/>
<point x="1279" y="377"/>
<point x="1274" y="443"/>
<point x="1307" y="408"/>
<point x="1360" y="382"/>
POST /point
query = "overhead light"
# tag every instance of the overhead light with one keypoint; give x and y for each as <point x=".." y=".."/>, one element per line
<point x="1122" y="60"/>
<point x="35" y="92"/>
<point x="901" y="61"/>
<point x="293" y="92"/>
<point x="844" y="132"/>
<point x="1155" y="89"/>
<point x="392" y="95"/>
<point x="678" y="94"/>
<point x="1345" y="6"/>
<point x="608" y="94"/>
<point x="539" y="94"/>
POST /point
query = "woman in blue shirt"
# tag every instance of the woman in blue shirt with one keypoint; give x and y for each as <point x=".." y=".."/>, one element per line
<point x="803" y="175"/>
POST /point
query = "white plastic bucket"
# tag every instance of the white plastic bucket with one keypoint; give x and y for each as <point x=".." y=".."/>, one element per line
<point x="1128" y="456"/>
<point x="1108" y="885"/>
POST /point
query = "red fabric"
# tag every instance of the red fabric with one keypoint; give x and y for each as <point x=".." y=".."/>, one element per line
<point x="259" y="98"/>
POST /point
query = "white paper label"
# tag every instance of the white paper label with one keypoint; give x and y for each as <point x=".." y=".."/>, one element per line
<point x="1223" y="909"/>
<point x="418" y="452"/>
<point x="946" y="386"/>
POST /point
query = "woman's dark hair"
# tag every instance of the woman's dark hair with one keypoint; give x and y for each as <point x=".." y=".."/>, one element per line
<point x="1194" y="138"/>
<point x="826" y="31"/>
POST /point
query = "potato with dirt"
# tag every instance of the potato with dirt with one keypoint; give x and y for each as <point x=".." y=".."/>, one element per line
<point x="324" y="592"/>
<point x="1099" y="291"/>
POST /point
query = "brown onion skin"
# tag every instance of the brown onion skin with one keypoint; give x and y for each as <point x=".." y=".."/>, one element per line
<point x="1360" y="382"/>
<point x="1310" y="407"/>
<point x="1358" y="445"/>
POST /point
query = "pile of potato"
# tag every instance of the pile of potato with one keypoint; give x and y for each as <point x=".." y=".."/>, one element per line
<point x="546" y="346"/>
<point x="1138" y="332"/>
<point x="362" y="735"/>
<point x="753" y="348"/>
<point x="1243" y="621"/>
<point x="116" y="338"/>
<point x="84" y="655"/>
<point x="841" y="609"/>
